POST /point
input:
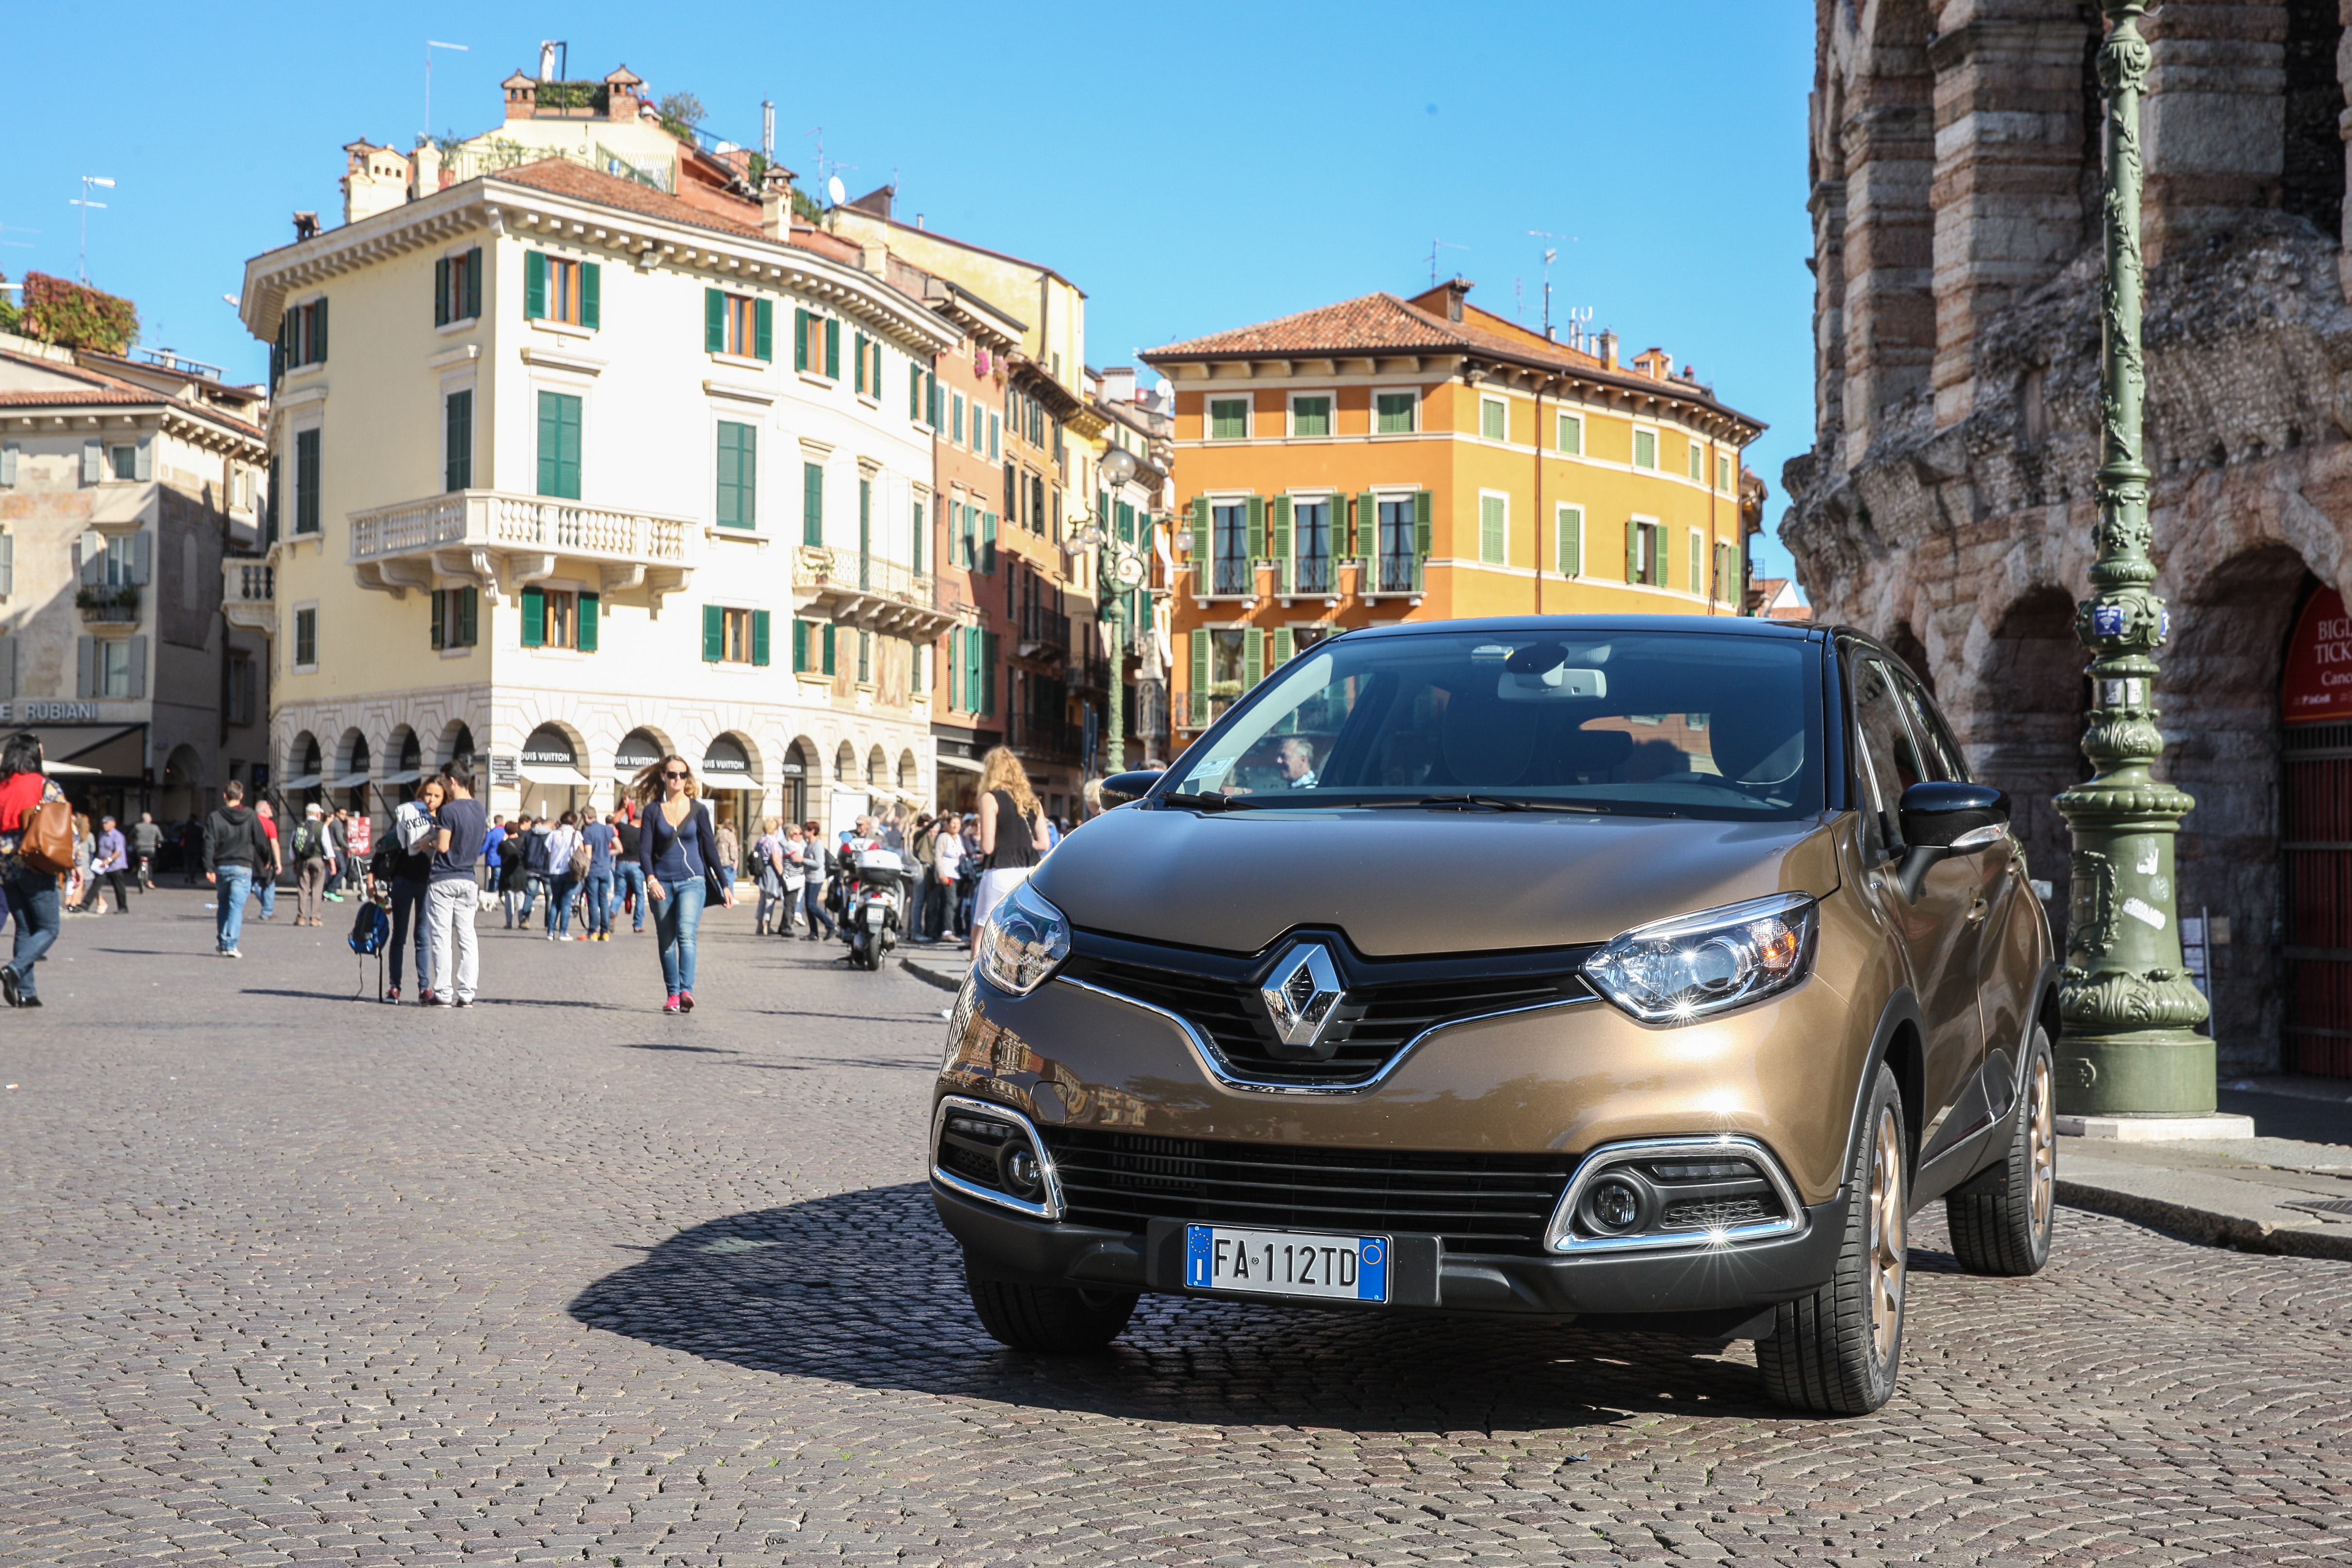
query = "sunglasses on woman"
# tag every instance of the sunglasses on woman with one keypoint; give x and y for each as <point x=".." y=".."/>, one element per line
<point x="674" y="773"/>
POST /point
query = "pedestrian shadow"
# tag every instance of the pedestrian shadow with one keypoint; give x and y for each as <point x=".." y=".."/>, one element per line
<point x="866" y="1289"/>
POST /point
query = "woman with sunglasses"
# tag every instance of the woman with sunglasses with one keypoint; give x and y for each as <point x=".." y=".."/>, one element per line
<point x="680" y="857"/>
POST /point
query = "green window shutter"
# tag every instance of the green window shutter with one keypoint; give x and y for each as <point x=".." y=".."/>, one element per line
<point x="1280" y="544"/>
<point x="917" y="535"/>
<point x="764" y="329"/>
<point x="1572" y="436"/>
<point x="857" y="353"/>
<point x="534" y="285"/>
<point x="458" y="441"/>
<point x="987" y="672"/>
<point x="759" y="637"/>
<point x="714" y="321"/>
<point x="714" y="634"/>
<point x="1494" y="523"/>
<point x="1200" y="544"/>
<point x="434" y="608"/>
<point x="735" y="464"/>
<point x="1252" y="657"/>
<point x="592" y="295"/>
<point x="800" y="338"/>
<point x="474" y="283"/>
<point x="915" y="396"/>
<point x="1365" y="541"/>
<point x="1571" y="541"/>
<point x="535" y="617"/>
<point x="318" y="333"/>
<point x="469" y="616"/>
<point x="1200" y="703"/>
<point x="812" y="504"/>
<point x="832" y="348"/>
<point x="1283" y="646"/>
<point x="1423" y="504"/>
<point x="590" y="605"/>
<point x="441" y="296"/>
<point x="1633" y="552"/>
<point x="827" y="650"/>
<point x="800" y="646"/>
<point x="988" y="544"/>
<point x="1257" y="533"/>
<point x="558" y="446"/>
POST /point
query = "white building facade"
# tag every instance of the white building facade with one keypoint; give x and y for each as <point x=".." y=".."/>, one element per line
<point x="571" y="474"/>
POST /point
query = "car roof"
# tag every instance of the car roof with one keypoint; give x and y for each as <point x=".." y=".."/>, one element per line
<point x="1737" y="625"/>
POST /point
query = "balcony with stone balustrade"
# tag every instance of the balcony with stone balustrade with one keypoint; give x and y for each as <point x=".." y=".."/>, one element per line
<point x="497" y="542"/>
<point x="865" y="590"/>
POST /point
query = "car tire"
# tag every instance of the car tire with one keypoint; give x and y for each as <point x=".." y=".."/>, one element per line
<point x="1840" y="1349"/>
<point x="1051" y="1320"/>
<point x="2001" y="1219"/>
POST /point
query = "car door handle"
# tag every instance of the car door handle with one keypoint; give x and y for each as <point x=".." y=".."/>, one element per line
<point x="1978" y="910"/>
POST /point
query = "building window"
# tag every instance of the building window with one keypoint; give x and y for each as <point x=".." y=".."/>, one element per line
<point x="1645" y="449"/>
<point x="458" y="287"/>
<point x="1392" y="413"/>
<point x="738" y="324"/>
<point x="1571" y="541"/>
<point x="306" y="638"/>
<point x="554" y="289"/>
<point x="1697" y="462"/>
<point x="1493" y="419"/>
<point x="1572" y="436"/>
<point x="1726" y="572"/>
<point x="457" y="617"/>
<point x="1723" y="471"/>
<point x="1310" y="416"/>
<point x="558" y="618"/>
<point x="1400" y="544"/>
<point x="739" y="467"/>
<point x="813" y="647"/>
<point x="1230" y="525"/>
<point x="1494" y="529"/>
<point x="1311" y="543"/>
<point x="458" y="441"/>
<point x="1645" y="554"/>
<point x="244" y="689"/>
<point x="124" y="460"/>
<point x="113" y="671"/>
<point x="1229" y="672"/>
<point x="302" y="335"/>
<point x="995" y="436"/>
<point x="734" y="636"/>
<point x="558" y="446"/>
<point x="955" y="420"/>
<point x="812" y="502"/>
<point x="1229" y="419"/>
<point x="914" y="535"/>
<point x="306" y="481"/>
<point x="865" y="658"/>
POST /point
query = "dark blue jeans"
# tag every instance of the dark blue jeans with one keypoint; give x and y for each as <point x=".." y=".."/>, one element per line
<point x="598" y="903"/>
<point x="629" y="877"/>
<point x="561" y="892"/>
<point x="33" y="903"/>
<point x="677" y="916"/>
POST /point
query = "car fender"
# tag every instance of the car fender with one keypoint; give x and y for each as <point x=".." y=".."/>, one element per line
<point x="1902" y="1009"/>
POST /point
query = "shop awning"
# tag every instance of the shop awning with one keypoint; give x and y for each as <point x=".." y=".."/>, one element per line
<point x="548" y="773"/>
<point x="348" y="781"/>
<point x="112" y="750"/>
<point x="300" y="781"/>
<point x="66" y="770"/>
<point x="962" y="763"/>
<point x="405" y="775"/>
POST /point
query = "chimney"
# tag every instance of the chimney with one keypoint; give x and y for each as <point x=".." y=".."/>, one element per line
<point x="423" y="169"/>
<point x="522" y="96"/>
<point x="623" y="91"/>
<point x="306" y="226"/>
<point x="1457" y="289"/>
<point x="1608" y="342"/>
<point x="375" y="180"/>
<point x="1118" y="384"/>
<point x="776" y="203"/>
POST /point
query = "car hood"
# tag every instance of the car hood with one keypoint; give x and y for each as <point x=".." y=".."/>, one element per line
<point x="1404" y="882"/>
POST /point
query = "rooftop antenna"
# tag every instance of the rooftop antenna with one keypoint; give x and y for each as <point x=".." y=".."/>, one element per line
<point x="85" y="203"/>
<point x="16" y="243"/>
<point x="768" y="129"/>
<point x="1434" y="246"/>
<point x="1550" y="256"/>
<point x="431" y="45"/>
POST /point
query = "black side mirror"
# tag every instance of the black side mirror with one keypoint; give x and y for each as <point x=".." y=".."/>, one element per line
<point x="1121" y="788"/>
<point x="1941" y="819"/>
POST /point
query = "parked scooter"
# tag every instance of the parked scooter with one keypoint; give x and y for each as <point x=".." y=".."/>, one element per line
<point x="874" y="902"/>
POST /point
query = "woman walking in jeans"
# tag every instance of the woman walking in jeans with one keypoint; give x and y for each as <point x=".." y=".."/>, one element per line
<point x="32" y="895"/>
<point x="680" y="856"/>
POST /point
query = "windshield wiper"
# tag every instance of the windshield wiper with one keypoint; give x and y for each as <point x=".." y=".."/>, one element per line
<point x="1207" y="802"/>
<point x="1497" y="803"/>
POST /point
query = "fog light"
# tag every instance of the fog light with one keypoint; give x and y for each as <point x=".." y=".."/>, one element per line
<point x="1023" y="1176"/>
<point x="1615" y="1205"/>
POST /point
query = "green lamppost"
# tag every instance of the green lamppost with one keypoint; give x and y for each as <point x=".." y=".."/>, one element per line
<point x="1119" y="571"/>
<point x="2127" y="1045"/>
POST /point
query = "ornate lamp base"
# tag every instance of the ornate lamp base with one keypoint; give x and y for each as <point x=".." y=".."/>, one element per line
<point x="2157" y="1072"/>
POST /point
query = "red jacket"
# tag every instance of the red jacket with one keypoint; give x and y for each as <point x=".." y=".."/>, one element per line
<point x="19" y="793"/>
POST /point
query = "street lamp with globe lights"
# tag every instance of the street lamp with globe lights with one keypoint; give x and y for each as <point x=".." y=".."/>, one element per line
<point x="1119" y="570"/>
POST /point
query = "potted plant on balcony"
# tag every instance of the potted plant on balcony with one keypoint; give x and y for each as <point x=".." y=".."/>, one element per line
<point x="108" y="604"/>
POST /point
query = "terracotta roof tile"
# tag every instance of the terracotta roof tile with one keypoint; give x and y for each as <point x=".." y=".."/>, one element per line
<point x="561" y="177"/>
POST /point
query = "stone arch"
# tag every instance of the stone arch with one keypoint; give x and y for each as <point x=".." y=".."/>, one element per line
<point x="457" y="743"/>
<point x="800" y="752"/>
<point x="909" y="771"/>
<point x="182" y="792"/>
<point x="2217" y="704"/>
<point x="403" y="763"/>
<point x="877" y="766"/>
<point x="844" y="764"/>
<point x="2021" y="722"/>
<point x="304" y="759"/>
<point x="352" y="761"/>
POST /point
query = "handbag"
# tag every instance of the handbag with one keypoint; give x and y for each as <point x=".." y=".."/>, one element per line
<point x="47" y="845"/>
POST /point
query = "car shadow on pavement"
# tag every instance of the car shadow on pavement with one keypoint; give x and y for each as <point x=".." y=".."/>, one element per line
<point x="866" y="1288"/>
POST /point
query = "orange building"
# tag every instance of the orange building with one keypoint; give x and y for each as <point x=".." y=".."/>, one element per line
<point x="1387" y="459"/>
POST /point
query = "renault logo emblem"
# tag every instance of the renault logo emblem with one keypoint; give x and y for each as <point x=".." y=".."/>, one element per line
<point x="1303" y="995"/>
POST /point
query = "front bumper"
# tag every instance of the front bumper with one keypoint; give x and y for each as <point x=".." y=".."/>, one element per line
<point x="1699" y="1289"/>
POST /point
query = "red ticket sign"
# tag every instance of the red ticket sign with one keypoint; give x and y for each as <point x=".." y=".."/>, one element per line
<point x="2317" y="685"/>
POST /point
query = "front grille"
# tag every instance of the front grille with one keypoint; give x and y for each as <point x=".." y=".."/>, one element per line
<point x="1477" y="1202"/>
<point x="1378" y="1019"/>
<point x="1719" y="1215"/>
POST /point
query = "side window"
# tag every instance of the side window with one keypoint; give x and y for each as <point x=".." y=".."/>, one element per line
<point x="1886" y="756"/>
<point x="1943" y="752"/>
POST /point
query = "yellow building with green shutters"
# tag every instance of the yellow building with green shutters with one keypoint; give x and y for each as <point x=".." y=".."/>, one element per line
<point x="1388" y="459"/>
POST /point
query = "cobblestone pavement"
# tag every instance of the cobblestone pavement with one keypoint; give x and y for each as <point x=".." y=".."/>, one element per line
<point x="295" y="1280"/>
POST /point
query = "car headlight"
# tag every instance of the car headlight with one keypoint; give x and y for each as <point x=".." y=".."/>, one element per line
<point x="1695" y="965"/>
<point x="1024" y="938"/>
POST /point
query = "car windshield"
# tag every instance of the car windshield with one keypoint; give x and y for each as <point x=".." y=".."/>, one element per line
<point x="1644" y="723"/>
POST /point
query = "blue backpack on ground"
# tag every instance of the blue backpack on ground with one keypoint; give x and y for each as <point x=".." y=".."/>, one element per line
<point x="370" y="930"/>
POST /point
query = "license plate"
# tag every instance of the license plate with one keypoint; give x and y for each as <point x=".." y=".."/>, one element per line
<point x="1286" y="1263"/>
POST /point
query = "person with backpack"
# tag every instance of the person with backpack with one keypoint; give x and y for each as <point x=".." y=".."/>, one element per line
<point x="236" y="851"/>
<point x="29" y="870"/>
<point x="514" y="873"/>
<point x="403" y="866"/>
<point x="314" y="861"/>
<point x="460" y="827"/>
<point x="567" y="862"/>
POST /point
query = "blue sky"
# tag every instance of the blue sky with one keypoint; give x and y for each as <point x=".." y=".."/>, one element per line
<point x="1193" y="168"/>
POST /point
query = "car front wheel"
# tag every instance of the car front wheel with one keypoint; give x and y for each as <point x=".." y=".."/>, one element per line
<point x="2001" y="1221"/>
<point x="1839" y="1349"/>
<point x="1052" y="1319"/>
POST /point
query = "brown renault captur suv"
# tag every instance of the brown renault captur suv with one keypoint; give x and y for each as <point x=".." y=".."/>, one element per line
<point x="1646" y="971"/>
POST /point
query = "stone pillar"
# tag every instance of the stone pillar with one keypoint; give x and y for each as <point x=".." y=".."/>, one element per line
<point x="1888" y="139"/>
<point x="2008" y="156"/>
<point x="2215" y="122"/>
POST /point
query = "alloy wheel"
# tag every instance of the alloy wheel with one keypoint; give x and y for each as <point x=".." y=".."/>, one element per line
<point x="2042" y="1131"/>
<point x="1888" y="1255"/>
